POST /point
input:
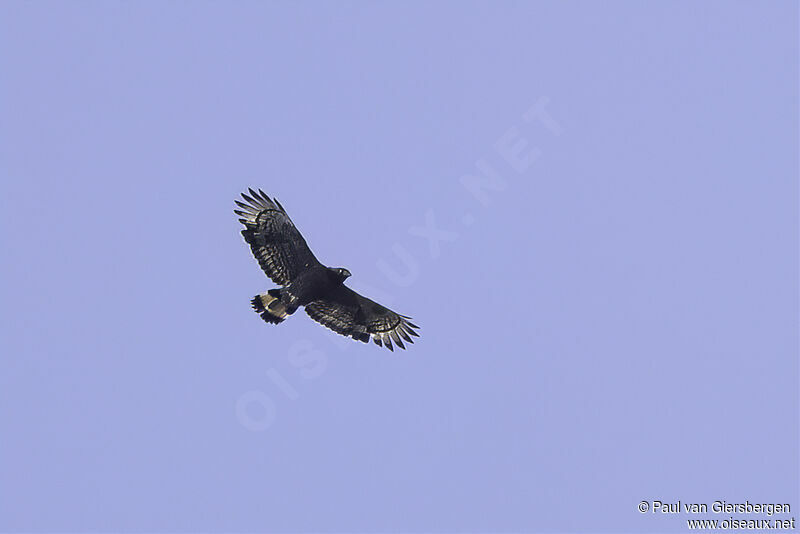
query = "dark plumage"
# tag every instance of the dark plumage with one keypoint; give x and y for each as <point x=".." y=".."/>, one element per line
<point x="284" y="255"/>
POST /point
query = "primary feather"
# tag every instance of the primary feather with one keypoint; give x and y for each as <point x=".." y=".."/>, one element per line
<point x="277" y="245"/>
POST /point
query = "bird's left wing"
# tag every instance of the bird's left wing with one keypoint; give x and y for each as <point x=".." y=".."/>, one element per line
<point x="275" y="241"/>
<point x="347" y="313"/>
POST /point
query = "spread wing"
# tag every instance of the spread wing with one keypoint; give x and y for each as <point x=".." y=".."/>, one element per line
<point x="346" y="312"/>
<point x="276" y="243"/>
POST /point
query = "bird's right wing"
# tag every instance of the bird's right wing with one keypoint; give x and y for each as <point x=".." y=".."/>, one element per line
<point x="350" y="314"/>
<point x="276" y="243"/>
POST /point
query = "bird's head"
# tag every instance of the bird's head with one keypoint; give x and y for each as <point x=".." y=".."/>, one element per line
<point x="341" y="273"/>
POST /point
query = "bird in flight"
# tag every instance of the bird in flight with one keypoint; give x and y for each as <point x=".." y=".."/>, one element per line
<point x="286" y="259"/>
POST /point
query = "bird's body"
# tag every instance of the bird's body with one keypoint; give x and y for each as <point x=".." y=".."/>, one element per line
<point x="313" y="284"/>
<point x="285" y="257"/>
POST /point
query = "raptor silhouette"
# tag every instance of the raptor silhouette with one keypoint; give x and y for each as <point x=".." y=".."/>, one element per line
<point x="284" y="256"/>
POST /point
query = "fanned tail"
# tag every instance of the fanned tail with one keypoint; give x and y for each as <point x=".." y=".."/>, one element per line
<point x="270" y="306"/>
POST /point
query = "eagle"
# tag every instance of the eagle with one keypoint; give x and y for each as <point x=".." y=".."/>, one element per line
<point x="284" y="256"/>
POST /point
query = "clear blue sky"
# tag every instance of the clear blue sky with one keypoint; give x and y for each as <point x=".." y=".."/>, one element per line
<point x="608" y="297"/>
